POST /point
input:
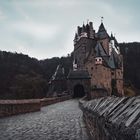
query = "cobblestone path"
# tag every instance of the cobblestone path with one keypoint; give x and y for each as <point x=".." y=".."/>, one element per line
<point x="61" y="121"/>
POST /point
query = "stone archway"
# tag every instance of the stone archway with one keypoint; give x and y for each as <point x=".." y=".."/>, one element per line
<point x="78" y="91"/>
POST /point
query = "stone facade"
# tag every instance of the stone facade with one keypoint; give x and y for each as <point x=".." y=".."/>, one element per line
<point x="79" y="78"/>
<point x="99" y="54"/>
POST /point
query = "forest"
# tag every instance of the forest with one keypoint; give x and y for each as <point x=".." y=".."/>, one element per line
<point x="131" y="60"/>
<point x="23" y="77"/>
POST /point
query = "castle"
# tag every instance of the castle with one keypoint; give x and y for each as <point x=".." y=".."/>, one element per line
<point x="97" y="65"/>
<point x="99" y="54"/>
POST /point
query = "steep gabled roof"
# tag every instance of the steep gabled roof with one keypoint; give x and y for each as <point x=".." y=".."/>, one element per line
<point x="78" y="74"/>
<point x="114" y="60"/>
<point x="59" y="73"/>
<point x="114" y="38"/>
<point x="117" y="59"/>
<point x="100" y="52"/>
<point x="111" y="62"/>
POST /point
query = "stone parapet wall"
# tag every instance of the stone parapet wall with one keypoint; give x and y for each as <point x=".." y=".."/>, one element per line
<point x="48" y="101"/>
<point x="14" y="107"/>
<point x="112" y="118"/>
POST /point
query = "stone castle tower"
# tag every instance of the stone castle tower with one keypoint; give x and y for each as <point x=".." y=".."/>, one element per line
<point x="98" y="54"/>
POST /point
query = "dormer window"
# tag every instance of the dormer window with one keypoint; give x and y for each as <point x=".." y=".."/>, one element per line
<point x="98" y="60"/>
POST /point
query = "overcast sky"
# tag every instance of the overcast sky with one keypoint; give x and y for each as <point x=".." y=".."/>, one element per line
<point x="46" y="28"/>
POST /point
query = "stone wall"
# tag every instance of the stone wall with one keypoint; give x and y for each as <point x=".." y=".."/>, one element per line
<point x="84" y="82"/>
<point x="48" y="101"/>
<point x="13" y="107"/>
<point x="98" y="93"/>
<point x="112" y="118"/>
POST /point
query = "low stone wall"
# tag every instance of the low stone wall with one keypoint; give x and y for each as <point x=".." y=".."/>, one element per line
<point x="48" y="101"/>
<point x="14" y="107"/>
<point x="112" y="118"/>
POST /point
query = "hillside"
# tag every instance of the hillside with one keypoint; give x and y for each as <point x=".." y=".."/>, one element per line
<point x="20" y="77"/>
<point x="23" y="77"/>
<point x="131" y="56"/>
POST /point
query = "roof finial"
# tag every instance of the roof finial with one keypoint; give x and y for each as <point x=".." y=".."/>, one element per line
<point x="102" y="19"/>
<point x="87" y="21"/>
<point x="83" y="22"/>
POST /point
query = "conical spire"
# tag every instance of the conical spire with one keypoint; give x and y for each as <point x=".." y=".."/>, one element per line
<point x="91" y="30"/>
<point x="83" y="28"/>
<point x="101" y="28"/>
<point x="102" y="33"/>
<point x="111" y="36"/>
<point x="76" y="37"/>
<point x="79" y="30"/>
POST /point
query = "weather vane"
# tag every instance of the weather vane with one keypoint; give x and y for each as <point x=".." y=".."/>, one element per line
<point x="102" y="19"/>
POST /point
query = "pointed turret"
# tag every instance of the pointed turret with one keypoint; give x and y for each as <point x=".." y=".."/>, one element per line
<point x="102" y="28"/>
<point x="83" y="32"/>
<point x="83" y="28"/>
<point x="79" y="29"/>
<point x="111" y="36"/>
<point x="114" y="43"/>
<point x="91" y="30"/>
<point x="102" y="33"/>
<point x="75" y="38"/>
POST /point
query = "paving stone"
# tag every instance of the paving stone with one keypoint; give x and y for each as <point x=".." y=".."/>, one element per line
<point x="61" y="121"/>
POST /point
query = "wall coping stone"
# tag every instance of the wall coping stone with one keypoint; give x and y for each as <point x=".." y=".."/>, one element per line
<point x="119" y="113"/>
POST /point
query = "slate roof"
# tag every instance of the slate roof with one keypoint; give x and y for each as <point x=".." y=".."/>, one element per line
<point x="100" y="52"/>
<point x="102" y="33"/>
<point x="59" y="73"/>
<point x="111" y="61"/>
<point x="78" y="74"/>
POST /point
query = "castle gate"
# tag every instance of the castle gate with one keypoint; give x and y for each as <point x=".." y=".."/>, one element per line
<point x="78" y="91"/>
<point x="78" y="83"/>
